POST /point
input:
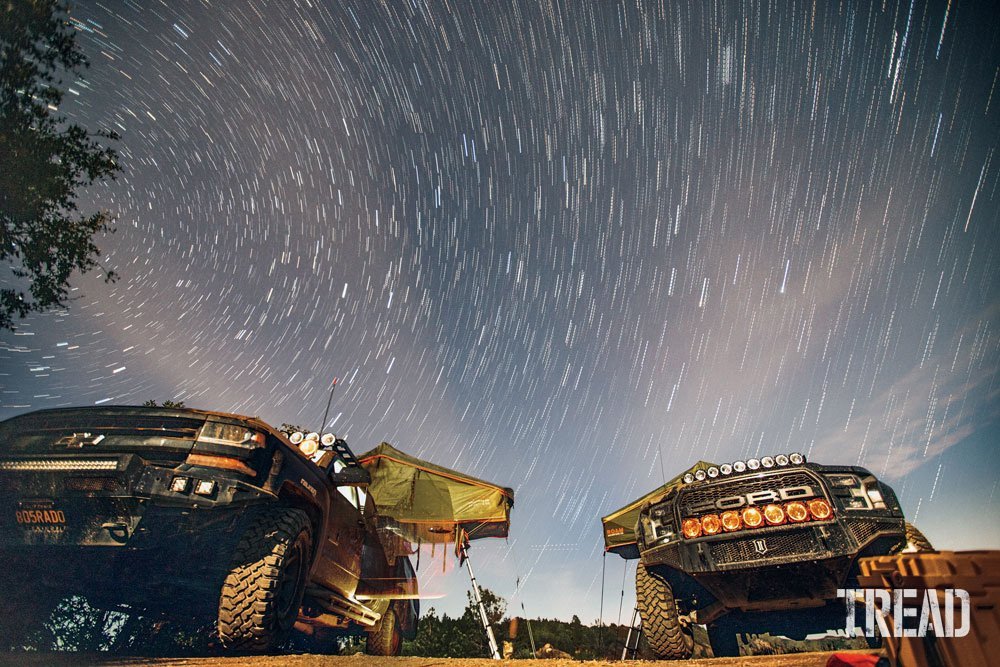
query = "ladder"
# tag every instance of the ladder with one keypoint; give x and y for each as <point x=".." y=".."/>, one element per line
<point x="631" y="650"/>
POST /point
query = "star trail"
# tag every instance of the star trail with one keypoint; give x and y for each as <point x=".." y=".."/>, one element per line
<point x="570" y="247"/>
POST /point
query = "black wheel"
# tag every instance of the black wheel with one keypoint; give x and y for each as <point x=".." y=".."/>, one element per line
<point x="263" y="591"/>
<point x="915" y="540"/>
<point x="386" y="638"/>
<point x="661" y="623"/>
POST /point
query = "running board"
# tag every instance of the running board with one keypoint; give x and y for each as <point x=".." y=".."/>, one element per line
<point x="336" y="603"/>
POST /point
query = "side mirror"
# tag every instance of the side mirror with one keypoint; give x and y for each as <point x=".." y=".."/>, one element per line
<point x="350" y="476"/>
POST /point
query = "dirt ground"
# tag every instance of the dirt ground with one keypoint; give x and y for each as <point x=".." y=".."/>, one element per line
<point x="60" y="659"/>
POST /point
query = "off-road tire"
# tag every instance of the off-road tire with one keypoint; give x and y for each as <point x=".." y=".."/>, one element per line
<point x="386" y="638"/>
<point x="915" y="540"/>
<point x="262" y="593"/>
<point x="661" y="624"/>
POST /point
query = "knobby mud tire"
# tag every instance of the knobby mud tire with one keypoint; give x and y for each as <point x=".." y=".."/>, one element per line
<point x="387" y="638"/>
<point x="915" y="540"/>
<point x="263" y="591"/>
<point x="661" y="624"/>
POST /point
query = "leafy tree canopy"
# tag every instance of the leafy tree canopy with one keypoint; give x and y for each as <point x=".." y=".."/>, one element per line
<point x="44" y="162"/>
<point x="166" y="404"/>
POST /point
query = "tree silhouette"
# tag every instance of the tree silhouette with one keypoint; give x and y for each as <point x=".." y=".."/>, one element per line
<point x="44" y="162"/>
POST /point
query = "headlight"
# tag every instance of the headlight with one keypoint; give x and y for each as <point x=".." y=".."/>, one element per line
<point x="752" y="518"/>
<point x="820" y="509"/>
<point x="797" y="511"/>
<point x="774" y="514"/>
<point x="711" y="524"/>
<point x="731" y="520"/>
<point x="691" y="528"/>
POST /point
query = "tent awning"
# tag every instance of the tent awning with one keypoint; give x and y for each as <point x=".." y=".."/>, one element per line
<point x="619" y="526"/>
<point x="426" y="503"/>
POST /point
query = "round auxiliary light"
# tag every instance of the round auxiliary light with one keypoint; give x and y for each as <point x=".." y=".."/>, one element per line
<point x="713" y="472"/>
<point x="313" y="436"/>
<point x="820" y="509"/>
<point x="296" y="437"/>
<point x="781" y="460"/>
<point x="691" y="528"/>
<point x="309" y="446"/>
<point x="753" y="464"/>
<point x="688" y="478"/>
<point x="767" y="462"/>
<point x="731" y="521"/>
<point x="711" y="524"/>
<point x="726" y="469"/>
<point x="796" y="459"/>
<point x="797" y="512"/>
<point x="328" y="439"/>
<point x="752" y="518"/>
<point x="699" y="474"/>
<point x="774" y="515"/>
<point x="739" y="466"/>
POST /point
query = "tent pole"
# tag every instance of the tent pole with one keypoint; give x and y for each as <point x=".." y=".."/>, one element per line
<point x="482" y="609"/>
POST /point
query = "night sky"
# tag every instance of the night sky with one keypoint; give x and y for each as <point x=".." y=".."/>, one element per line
<point x="569" y="247"/>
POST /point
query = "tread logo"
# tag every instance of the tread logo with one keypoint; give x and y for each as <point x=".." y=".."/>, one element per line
<point x="907" y="612"/>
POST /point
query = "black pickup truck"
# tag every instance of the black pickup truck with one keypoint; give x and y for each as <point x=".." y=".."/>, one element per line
<point x="200" y="514"/>
<point x="759" y="546"/>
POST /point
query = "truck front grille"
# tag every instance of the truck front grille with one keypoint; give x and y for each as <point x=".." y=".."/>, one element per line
<point x="799" y="542"/>
<point x="709" y="492"/>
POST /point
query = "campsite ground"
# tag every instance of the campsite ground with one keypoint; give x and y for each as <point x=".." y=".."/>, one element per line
<point x="795" y="660"/>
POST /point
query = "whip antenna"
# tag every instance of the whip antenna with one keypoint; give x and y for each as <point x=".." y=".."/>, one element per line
<point x="326" y="413"/>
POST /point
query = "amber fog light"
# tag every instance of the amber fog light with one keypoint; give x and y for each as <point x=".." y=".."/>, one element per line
<point x="711" y="524"/>
<point x="774" y="514"/>
<point x="752" y="518"/>
<point x="731" y="521"/>
<point x="820" y="509"/>
<point x="797" y="512"/>
<point x="691" y="528"/>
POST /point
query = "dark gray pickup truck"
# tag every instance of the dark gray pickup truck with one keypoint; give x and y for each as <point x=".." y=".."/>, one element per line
<point x="199" y="514"/>
<point x="759" y="546"/>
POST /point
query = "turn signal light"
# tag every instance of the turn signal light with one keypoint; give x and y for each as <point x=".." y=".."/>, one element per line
<point x="752" y="518"/>
<point x="711" y="524"/>
<point x="820" y="509"/>
<point x="731" y="521"/>
<point x="797" y="512"/>
<point x="774" y="515"/>
<point x="691" y="528"/>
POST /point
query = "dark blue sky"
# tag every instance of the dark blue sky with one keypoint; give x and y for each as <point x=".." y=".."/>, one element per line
<point x="569" y="247"/>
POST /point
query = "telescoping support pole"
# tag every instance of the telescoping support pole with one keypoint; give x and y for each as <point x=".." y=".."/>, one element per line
<point x="482" y="610"/>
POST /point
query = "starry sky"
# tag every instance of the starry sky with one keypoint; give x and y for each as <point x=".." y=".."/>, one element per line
<point x="571" y="247"/>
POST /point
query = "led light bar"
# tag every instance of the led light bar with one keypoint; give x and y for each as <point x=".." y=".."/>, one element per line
<point x="774" y="514"/>
<point x="57" y="465"/>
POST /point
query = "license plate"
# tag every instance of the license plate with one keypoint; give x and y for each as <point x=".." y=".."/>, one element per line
<point x="41" y="517"/>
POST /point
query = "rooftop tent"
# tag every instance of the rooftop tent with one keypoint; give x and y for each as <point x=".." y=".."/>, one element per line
<point x="619" y="526"/>
<point x="427" y="503"/>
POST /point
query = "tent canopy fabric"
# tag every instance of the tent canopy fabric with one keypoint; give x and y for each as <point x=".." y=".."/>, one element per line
<point x="619" y="526"/>
<point x="430" y="504"/>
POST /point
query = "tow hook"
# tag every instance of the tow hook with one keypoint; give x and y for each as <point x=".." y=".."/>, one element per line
<point x="117" y="530"/>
